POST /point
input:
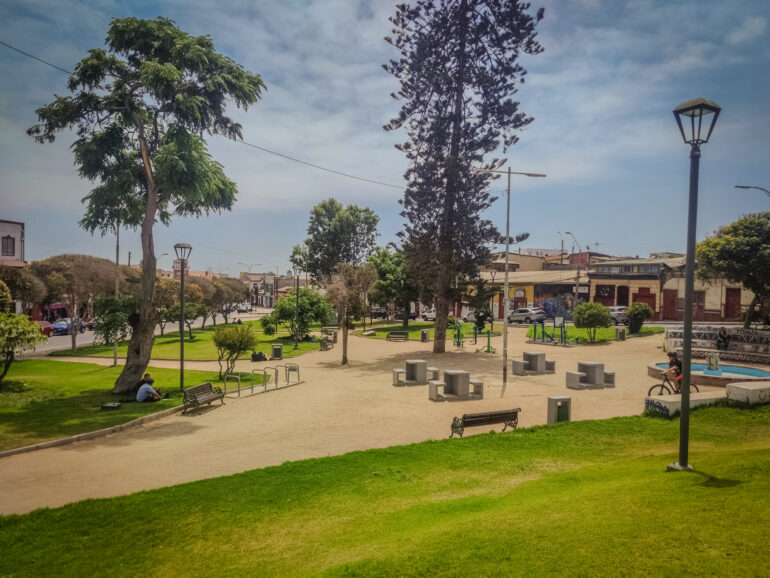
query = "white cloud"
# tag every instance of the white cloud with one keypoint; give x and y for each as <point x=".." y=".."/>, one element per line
<point x="750" y="29"/>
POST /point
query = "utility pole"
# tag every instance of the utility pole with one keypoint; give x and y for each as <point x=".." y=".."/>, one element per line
<point x="117" y="283"/>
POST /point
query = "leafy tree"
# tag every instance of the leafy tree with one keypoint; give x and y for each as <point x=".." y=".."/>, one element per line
<point x="347" y="290"/>
<point x="637" y="314"/>
<point x="210" y="298"/>
<point x="141" y="108"/>
<point x="231" y="344"/>
<point x="479" y="299"/>
<point x="17" y="333"/>
<point x="5" y="298"/>
<point x="459" y="70"/>
<point x="78" y="277"/>
<point x="591" y="316"/>
<point x="192" y="310"/>
<point x="740" y="253"/>
<point x="24" y="286"/>
<point x="336" y="234"/>
<point x="394" y="285"/>
<point x="313" y="308"/>
<point x="112" y="317"/>
<point x="166" y="295"/>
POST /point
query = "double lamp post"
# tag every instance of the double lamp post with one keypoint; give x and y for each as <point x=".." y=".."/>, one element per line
<point x="182" y="254"/>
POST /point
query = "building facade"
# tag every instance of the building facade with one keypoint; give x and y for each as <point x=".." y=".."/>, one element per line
<point x="12" y="243"/>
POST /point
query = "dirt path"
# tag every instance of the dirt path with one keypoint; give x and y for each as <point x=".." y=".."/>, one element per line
<point x="336" y="410"/>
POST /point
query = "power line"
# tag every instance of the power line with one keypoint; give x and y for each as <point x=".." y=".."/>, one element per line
<point x="35" y="57"/>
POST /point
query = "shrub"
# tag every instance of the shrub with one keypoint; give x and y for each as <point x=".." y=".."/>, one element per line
<point x="231" y="344"/>
<point x="637" y="314"/>
<point x="5" y="298"/>
<point x="591" y="316"/>
<point x="16" y="334"/>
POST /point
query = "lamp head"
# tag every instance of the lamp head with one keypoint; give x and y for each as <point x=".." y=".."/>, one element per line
<point x="182" y="251"/>
<point x="692" y="113"/>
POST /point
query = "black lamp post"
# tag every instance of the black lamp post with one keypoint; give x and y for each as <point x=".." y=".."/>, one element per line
<point x="695" y="133"/>
<point x="182" y="253"/>
<point x="296" y="277"/>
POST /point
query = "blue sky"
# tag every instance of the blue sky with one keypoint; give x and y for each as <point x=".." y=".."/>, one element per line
<point x="601" y="94"/>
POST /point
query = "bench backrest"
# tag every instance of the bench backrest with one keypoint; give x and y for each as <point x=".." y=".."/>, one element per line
<point x="198" y="389"/>
<point x="399" y="333"/>
<point x="490" y="417"/>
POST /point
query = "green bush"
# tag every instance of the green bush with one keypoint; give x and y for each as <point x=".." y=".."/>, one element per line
<point x="591" y="316"/>
<point x="231" y="344"/>
<point x="5" y="298"/>
<point x="637" y="314"/>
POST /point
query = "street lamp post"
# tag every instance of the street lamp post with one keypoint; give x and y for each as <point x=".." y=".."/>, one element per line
<point x="182" y="253"/>
<point x="296" y="312"/>
<point x="692" y="134"/>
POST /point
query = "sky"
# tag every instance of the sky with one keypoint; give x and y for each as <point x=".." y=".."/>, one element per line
<point x="601" y="95"/>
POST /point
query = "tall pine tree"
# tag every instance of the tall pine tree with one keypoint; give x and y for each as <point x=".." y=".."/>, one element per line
<point x="459" y="70"/>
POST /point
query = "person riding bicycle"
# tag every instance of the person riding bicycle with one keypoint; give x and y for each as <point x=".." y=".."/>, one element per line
<point x="674" y="368"/>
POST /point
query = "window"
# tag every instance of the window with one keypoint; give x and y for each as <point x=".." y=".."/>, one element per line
<point x="649" y="268"/>
<point x="9" y="246"/>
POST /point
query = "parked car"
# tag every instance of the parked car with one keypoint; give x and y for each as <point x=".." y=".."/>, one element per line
<point x="62" y="326"/>
<point x="469" y="317"/>
<point x="526" y="315"/>
<point x="399" y="314"/>
<point x="378" y="313"/>
<point x="429" y="315"/>
<point x="45" y="328"/>
<point x="243" y="308"/>
<point x="618" y="314"/>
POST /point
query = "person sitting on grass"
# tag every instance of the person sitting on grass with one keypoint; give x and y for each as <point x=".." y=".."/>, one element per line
<point x="146" y="391"/>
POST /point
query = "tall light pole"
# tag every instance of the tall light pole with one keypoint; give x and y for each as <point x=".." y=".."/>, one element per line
<point x="692" y="134"/>
<point x="561" y="255"/>
<point x="580" y="257"/>
<point x="509" y="172"/>
<point x="183" y="251"/>
<point x="753" y="187"/>
<point x="296" y="312"/>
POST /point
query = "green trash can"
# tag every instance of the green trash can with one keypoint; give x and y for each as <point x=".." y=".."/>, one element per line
<point x="559" y="409"/>
<point x="277" y="351"/>
<point x="425" y="335"/>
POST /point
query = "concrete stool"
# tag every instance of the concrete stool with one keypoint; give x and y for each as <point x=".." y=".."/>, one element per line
<point x="575" y="380"/>
<point x="609" y="379"/>
<point x="397" y="375"/>
<point x="478" y="388"/>
<point x="550" y="366"/>
<point x="433" y="393"/>
<point x="434" y="373"/>
<point x="519" y="367"/>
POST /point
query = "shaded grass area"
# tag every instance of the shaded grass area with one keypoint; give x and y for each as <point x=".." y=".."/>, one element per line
<point x="602" y="333"/>
<point x="582" y="498"/>
<point x="49" y="400"/>
<point x="415" y="327"/>
<point x="200" y="348"/>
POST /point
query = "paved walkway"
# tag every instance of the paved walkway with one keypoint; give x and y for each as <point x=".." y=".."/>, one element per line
<point x="336" y="410"/>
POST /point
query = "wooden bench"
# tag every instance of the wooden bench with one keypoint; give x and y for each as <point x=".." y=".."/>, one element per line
<point x="326" y="343"/>
<point x="397" y="336"/>
<point x="510" y="417"/>
<point x="198" y="395"/>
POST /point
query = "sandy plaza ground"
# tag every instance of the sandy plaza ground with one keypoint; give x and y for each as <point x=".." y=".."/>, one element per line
<point x="335" y="410"/>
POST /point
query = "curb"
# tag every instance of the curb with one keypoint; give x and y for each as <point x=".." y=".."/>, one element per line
<point x="94" y="434"/>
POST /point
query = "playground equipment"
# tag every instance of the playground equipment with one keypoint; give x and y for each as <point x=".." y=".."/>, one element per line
<point x="458" y="336"/>
<point x="488" y="347"/>
<point x="540" y="335"/>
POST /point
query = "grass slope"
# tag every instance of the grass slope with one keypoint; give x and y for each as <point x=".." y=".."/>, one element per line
<point x="583" y="498"/>
<point x="48" y="400"/>
<point x="201" y="348"/>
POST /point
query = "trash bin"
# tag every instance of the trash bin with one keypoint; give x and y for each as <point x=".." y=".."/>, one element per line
<point x="425" y="335"/>
<point x="277" y="351"/>
<point x="559" y="409"/>
<point x="620" y="334"/>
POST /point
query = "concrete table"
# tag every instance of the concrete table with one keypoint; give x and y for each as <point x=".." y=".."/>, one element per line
<point x="594" y="371"/>
<point x="416" y="371"/>
<point x="457" y="383"/>
<point x="535" y="361"/>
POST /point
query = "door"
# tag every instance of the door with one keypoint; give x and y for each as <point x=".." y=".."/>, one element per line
<point x="622" y="295"/>
<point x="732" y="303"/>
<point x="669" y="304"/>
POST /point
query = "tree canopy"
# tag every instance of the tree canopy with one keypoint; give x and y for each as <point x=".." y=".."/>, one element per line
<point x="459" y="71"/>
<point x="347" y="290"/>
<point x="17" y="333"/>
<point x="395" y="284"/>
<point x="336" y="234"/>
<point x="740" y="253"/>
<point x="140" y="109"/>
<point x="313" y="308"/>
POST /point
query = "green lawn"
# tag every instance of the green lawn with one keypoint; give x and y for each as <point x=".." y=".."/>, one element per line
<point x="47" y="400"/>
<point x="602" y="334"/>
<point x="201" y="348"/>
<point x="415" y="327"/>
<point x="587" y="498"/>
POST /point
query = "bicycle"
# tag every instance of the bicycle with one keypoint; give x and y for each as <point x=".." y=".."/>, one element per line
<point x="667" y="387"/>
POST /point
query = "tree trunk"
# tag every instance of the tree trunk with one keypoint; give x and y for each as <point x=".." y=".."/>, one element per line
<point x="74" y="328"/>
<point x="750" y="313"/>
<point x="143" y="334"/>
<point x="9" y="357"/>
<point x="407" y="310"/>
<point x="345" y="343"/>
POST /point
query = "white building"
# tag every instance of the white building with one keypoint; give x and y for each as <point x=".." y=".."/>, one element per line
<point x="12" y="239"/>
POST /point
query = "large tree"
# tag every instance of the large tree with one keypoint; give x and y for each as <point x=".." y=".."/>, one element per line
<point x="347" y="290"/>
<point x="24" y="286"/>
<point x="459" y="70"/>
<point x="740" y="253"/>
<point x="140" y="109"/>
<point x="395" y="284"/>
<point x="336" y="234"/>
